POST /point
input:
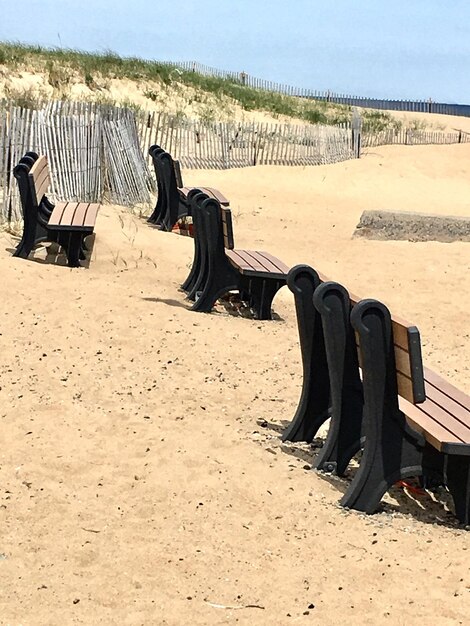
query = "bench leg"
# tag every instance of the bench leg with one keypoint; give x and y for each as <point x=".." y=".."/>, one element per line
<point x="217" y="281"/>
<point x="262" y="292"/>
<point x="32" y="235"/>
<point x="387" y="458"/>
<point x="458" y="481"/>
<point x="344" y="438"/>
<point x="74" y="249"/>
<point x="313" y="408"/>
<point x="195" y="272"/>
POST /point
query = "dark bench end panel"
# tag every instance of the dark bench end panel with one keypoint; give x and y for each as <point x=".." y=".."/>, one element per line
<point x="416" y="364"/>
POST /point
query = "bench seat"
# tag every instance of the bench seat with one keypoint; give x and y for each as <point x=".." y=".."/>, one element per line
<point x="66" y="223"/>
<point x="218" y="268"/>
<point x="74" y="216"/>
<point x="210" y="191"/>
<point x="443" y="418"/>
<point x="257" y="263"/>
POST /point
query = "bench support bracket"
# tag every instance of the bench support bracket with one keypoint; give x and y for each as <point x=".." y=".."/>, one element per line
<point x="313" y="408"/>
<point x="344" y="434"/>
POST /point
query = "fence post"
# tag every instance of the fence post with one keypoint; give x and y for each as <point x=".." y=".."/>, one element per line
<point x="356" y="126"/>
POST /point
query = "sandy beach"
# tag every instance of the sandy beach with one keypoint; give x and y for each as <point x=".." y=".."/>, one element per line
<point x="142" y="475"/>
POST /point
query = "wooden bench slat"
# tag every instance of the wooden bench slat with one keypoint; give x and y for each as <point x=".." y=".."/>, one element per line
<point x="436" y="434"/>
<point x="449" y="405"/>
<point x="68" y="214"/>
<point x="250" y="261"/>
<point x="261" y="258"/>
<point x="280" y="265"/>
<point x="39" y="177"/>
<point x="209" y="191"/>
<point x="91" y="214"/>
<point x="405" y="387"/>
<point x="74" y="215"/>
<point x="42" y="185"/>
<point x="446" y="387"/>
<point x="80" y="213"/>
<point x="239" y="260"/>
<point x="56" y="215"/>
<point x="215" y="193"/>
<point x="39" y="166"/>
<point x="227" y="227"/>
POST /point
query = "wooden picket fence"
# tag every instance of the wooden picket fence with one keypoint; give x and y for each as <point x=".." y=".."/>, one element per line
<point x="242" y="78"/>
<point x="212" y="145"/>
<point x="99" y="152"/>
<point x="93" y="151"/>
<point x="409" y="137"/>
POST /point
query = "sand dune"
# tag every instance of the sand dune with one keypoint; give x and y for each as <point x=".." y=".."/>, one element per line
<point x="142" y="476"/>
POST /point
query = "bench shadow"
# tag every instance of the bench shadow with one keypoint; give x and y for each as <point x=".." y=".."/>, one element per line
<point x="168" y="301"/>
<point x="53" y="254"/>
<point x="434" y="507"/>
<point x="236" y="307"/>
<point x="230" y="306"/>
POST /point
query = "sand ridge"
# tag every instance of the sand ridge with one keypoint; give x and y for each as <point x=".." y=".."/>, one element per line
<point x="142" y="477"/>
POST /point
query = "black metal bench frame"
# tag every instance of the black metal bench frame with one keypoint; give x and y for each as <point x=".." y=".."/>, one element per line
<point x="36" y="215"/>
<point x="365" y="415"/>
<point x="393" y="449"/>
<point x="213" y="274"/>
<point x="173" y="199"/>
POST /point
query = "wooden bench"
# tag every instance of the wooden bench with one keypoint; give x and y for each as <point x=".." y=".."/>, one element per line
<point x="406" y="435"/>
<point x="172" y="200"/>
<point x="218" y="267"/>
<point x="66" y="223"/>
<point x="408" y="420"/>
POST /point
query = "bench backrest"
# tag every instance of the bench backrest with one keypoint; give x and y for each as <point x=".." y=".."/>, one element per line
<point x="177" y="172"/>
<point x="39" y="179"/>
<point x="408" y="358"/>
<point x="227" y="228"/>
<point x="407" y="353"/>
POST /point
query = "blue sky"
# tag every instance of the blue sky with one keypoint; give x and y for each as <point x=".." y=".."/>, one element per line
<point x="414" y="49"/>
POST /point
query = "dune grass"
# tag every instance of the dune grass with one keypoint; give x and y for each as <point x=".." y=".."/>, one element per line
<point x="60" y="63"/>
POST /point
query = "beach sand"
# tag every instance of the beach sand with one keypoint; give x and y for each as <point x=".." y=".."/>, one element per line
<point x="142" y="476"/>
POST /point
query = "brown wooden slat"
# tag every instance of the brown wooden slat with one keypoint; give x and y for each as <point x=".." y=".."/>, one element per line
<point x="215" y="193"/>
<point x="249" y="262"/>
<point x="239" y="260"/>
<point x="39" y="178"/>
<point x="267" y="264"/>
<point x="449" y="404"/>
<point x="210" y="191"/>
<point x="402" y="361"/>
<point x="227" y="228"/>
<point x="252" y="259"/>
<point x="91" y="214"/>
<point x="405" y="387"/>
<point x="38" y="166"/>
<point x="400" y="334"/>
<point x="446" y="387"/>
<point x="446" y="420"/>
<point x="433" y="432"/>
<point x="41" y="185"/>
<point x="56" y="215"/>
<point x="177" y="170"/>
<point x="68" y="214"/>
<point x="80" y="213"/>
<point x="280" y="265"/>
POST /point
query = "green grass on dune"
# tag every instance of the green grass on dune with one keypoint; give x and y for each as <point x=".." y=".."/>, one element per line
<point x="59" y="62"/>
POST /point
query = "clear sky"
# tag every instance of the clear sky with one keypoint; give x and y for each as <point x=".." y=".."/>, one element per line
<point x="405" y="49"/>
